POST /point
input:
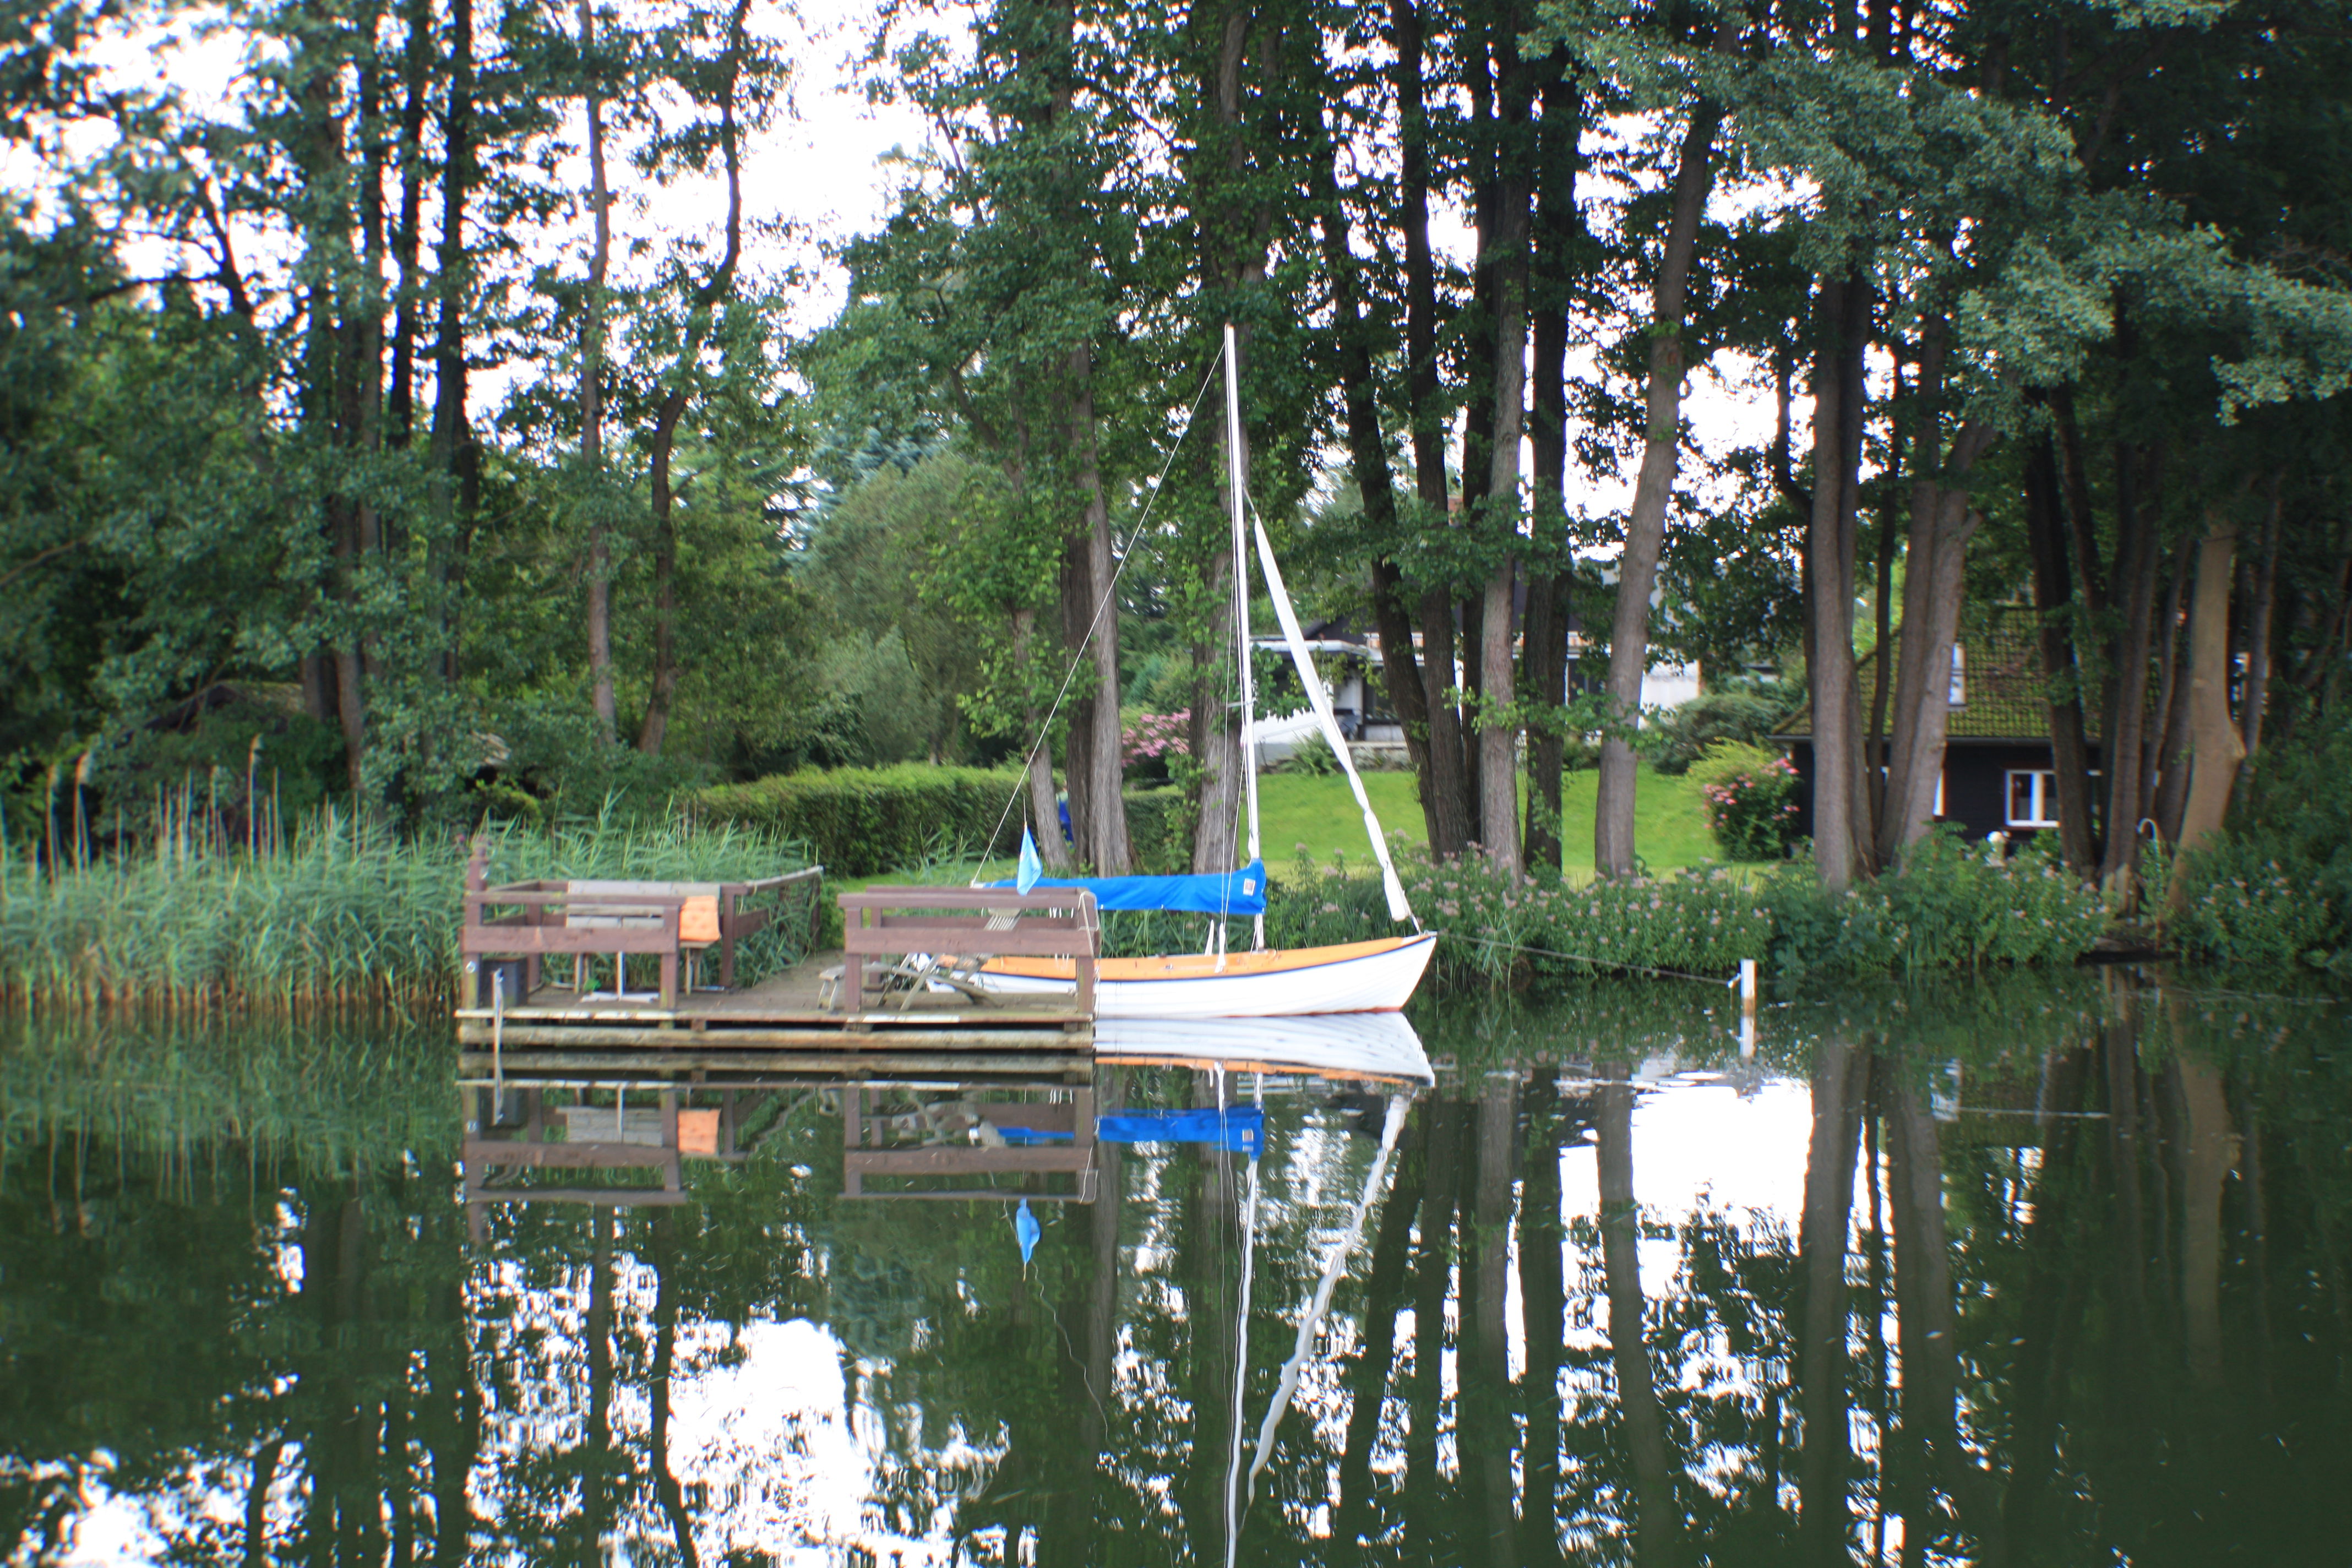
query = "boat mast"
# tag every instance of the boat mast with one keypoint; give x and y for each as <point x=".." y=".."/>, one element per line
<point x="1233" y="467"/>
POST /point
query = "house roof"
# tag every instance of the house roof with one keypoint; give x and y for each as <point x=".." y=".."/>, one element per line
<point x="2004" y="694"/>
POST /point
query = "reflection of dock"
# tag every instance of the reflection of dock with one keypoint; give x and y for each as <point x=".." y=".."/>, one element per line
<point x="653" y="1142"/>
<point x="938" y="1142"/>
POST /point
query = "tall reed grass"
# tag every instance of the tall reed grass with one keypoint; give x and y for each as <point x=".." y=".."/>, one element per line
<point x="337" y="913"/>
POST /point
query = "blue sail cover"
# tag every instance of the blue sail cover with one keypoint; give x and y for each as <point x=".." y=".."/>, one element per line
<point x="1241" y="892"/>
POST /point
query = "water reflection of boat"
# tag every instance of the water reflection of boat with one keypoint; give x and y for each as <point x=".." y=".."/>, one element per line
<point x="1381" y="1047"/>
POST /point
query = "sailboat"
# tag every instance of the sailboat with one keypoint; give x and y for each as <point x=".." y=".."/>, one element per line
<point x="1375" y="976"/>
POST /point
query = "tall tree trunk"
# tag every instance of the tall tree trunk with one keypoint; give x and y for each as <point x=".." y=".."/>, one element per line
<point x="408" y="232"/>
<point x="1368" y="452"/>
<point x="330" y="398"/>
<point x="1653" y="489"/>
<point x="591" y="391"/>
<point x="1551" y="585"/>
<point x="2054" y="600"/>
<point x="1215" y="734"/>
<point x="1934" y="578"/>
<point x="2262" y="594"/>
<point x="1506" y="241"/>
<point x="1443" y="787"/>
<point x="2215" y="746"/>
<point x="1658" y="1520"/>
<point x="2164" y="767"/>
<point x="1087" y="548"/>
<point x="449" y="418"/>
<point x="1483" y="1404"/>
<point x="711" y="297"/>
<point x="1044" y="811"/>
<point x="1078" y="742"/>
<point x="2138" y="550"/>
<point x="1472" y="612"/>
<point x="1830" y="648"/>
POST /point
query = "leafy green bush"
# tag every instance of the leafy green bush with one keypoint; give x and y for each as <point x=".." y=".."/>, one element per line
<point x="1311" y="755"/>
<point x="860" y="822"/>
<point x="1680" y="737"/>
<point x="1160" y="829"/>
<point x="2275" y="889"/>
<point x="2242" y="906"/>
<point x="1498" y="929"/>
<point x="1752" y="799"/>
<point x="1951" y="905"/>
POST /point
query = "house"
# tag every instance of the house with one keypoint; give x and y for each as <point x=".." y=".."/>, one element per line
<point x="1348" y="661"/>
<point x="1999" y="773"/>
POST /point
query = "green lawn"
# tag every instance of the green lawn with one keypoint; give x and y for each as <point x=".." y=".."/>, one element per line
<point x="1669" y="827"/>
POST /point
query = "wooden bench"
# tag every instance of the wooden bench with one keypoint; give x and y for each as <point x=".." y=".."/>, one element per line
<point x="673" y="922"/>
<point x="973" y="924"/>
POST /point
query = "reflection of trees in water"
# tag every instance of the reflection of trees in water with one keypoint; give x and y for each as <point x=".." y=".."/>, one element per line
<point x="2100" y="1313"/>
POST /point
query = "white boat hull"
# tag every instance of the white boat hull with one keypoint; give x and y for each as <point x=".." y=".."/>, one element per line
<point x="1360" y="977"/>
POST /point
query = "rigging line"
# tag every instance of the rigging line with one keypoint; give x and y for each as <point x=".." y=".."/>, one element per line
<point x="1715" y="980"/>
<point x="1078" y="655"/>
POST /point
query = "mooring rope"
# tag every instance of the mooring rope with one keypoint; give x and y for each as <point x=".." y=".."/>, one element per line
<point x="1079" y="654"/>
<point x="1596" y="963"/>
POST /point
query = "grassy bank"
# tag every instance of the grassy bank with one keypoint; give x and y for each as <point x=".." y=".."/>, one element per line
<point x="1670" y="831"/>
<point x="339" y="914"/>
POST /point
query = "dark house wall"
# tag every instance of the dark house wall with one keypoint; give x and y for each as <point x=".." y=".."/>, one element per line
<point x="1976" y="783"/>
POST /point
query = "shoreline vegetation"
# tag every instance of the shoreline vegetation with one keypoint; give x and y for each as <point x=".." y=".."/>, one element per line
<point x="207" y="915"/>
<point x="336" y="915"/>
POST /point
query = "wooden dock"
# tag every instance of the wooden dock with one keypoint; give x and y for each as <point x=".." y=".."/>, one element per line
<point x="821" y="1016"/>
<point x="779" y="1026"/>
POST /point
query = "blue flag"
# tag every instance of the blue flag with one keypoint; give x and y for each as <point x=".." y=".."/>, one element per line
<point x="1026" y="1230"/>
<point x="1031" y="867"/>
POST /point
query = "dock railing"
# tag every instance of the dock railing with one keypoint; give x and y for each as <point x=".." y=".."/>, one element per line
<point x="537" y="919"/>
<point x="973" y="924"/>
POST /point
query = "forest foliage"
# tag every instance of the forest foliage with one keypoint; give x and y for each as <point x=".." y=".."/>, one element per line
<point x="370" y="436"/>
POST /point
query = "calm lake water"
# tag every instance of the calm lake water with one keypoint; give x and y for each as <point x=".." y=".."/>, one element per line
<point x="2035" y="1271"/>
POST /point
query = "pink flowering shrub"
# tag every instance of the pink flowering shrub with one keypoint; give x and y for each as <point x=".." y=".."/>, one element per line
<point x="1753" y="811"/>
<point x="1157" y="736"/>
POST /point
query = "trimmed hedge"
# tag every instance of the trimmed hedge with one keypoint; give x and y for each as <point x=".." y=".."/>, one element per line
<point x="862" y="822"/>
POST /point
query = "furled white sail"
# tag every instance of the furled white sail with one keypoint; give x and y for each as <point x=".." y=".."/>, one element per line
<point x="1400" y="908"/>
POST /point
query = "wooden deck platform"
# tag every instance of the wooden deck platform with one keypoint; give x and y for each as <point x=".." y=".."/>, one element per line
<point x="779" y="1025"/>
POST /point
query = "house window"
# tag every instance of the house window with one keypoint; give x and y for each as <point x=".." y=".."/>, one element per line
<point x="1959" y="694"/>
<point x="2033" y="797"/>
